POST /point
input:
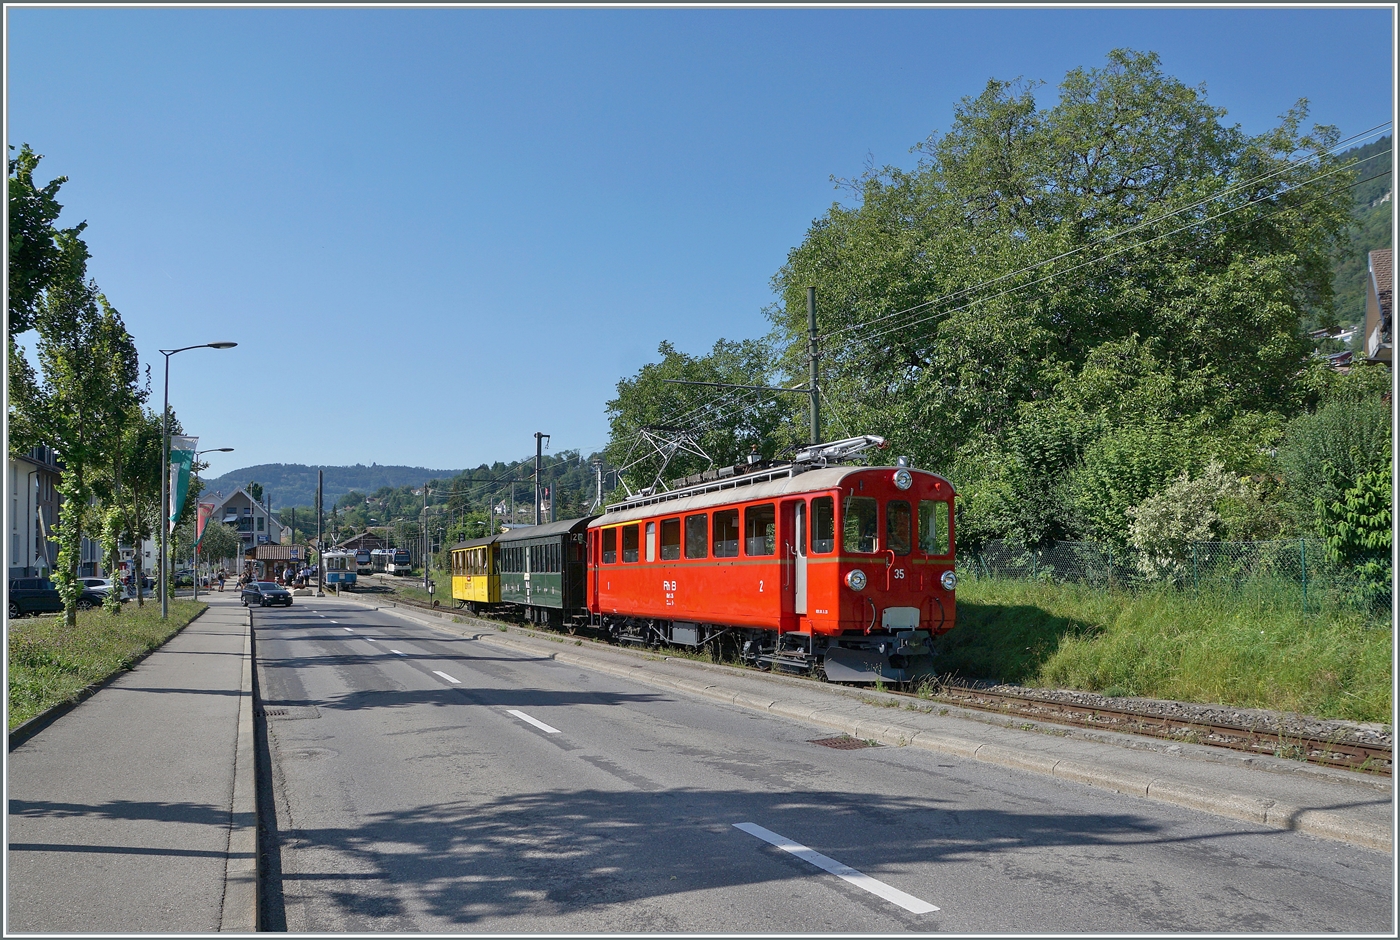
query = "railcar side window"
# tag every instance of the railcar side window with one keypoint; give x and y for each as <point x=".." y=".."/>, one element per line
<point x="861" y="525"/>
<point x="697" y="536"/>
<point x="899" y="526"/>
<point x="610" y="546"/>
<point x="760" y="530"/>
<point x="726" y="534"/>
<point x="823" y="525"/>
<point x="651" y="541"/>
<point x="671" y="539"/>
<point x="630" y="543"/>
<point x="934" y="526"/>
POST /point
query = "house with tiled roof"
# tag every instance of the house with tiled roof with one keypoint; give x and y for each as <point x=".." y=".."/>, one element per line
<point x="1378" y="306"/>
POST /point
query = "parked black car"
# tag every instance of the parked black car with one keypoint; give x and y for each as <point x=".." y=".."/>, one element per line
<point x="39" y="596"/>
<point x="33" y="596"/>
<point x="265" y="594"/>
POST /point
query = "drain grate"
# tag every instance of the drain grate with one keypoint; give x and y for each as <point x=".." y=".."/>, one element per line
<point x="290" y="712"/>
<point x="844" y="743"/>
<point x="273" y="712"/>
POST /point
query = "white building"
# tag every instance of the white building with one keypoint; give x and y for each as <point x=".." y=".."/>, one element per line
<point x="32" y="488"/>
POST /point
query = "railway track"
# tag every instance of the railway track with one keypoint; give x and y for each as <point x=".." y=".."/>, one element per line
<point x="1328" y="750"/>
<point x="1340" y="749"/>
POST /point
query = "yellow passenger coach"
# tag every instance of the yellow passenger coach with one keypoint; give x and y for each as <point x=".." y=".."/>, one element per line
<point x="476" y="582"/>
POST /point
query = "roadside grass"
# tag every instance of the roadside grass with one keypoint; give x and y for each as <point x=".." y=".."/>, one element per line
<point x="49" y="664"/>
<point x="1246" y="647"/>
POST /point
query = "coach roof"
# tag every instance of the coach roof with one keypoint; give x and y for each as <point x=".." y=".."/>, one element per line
<point x="826" y="478"/>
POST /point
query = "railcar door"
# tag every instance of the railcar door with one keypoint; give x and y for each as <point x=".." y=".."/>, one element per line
<point x="799" y="561"/>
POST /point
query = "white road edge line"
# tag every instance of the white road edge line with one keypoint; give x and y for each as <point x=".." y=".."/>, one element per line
<point x="534" y="721"/>
<point x="447" y="677"/>
<point x="844" y="872"/>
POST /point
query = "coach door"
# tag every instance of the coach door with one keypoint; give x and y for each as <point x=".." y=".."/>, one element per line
<point x="799" y="559"/>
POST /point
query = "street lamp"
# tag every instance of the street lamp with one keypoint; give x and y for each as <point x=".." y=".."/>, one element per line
<point x="165" y="473"/>
<point x="211" y="450"/>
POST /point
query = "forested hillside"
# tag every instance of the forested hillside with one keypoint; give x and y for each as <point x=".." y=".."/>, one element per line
<point x="1370" y="228"/>
<point x="294" y="484"/>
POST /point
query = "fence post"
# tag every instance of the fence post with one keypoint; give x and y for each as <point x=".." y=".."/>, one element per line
<point x="1110" y="566"/>
<point x="1303" y="564"/>
<point x="1195" y="567"/>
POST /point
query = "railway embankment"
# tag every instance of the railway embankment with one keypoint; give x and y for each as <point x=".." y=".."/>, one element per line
<point x="1267" y="791"/>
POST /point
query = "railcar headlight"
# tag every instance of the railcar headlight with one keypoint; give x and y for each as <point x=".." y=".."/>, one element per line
<point x="949" y="580"/>
<point x="856" y="580"/>
<point x="903" y="479"/>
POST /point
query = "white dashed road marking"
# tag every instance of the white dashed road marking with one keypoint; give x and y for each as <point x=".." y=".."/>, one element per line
<point x="400" y="652"/>
<point x="447" y="677"/>
<point x="534" y="721"/>
<point x="844" y="872"/>
<point x="346" y="629"/>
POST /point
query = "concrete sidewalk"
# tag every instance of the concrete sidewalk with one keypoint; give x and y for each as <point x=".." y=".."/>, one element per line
<point x="1273" y="793"/>
<point x="134" y="811"/>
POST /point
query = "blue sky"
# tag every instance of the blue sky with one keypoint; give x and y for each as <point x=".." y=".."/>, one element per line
<point x="436" y="231"/>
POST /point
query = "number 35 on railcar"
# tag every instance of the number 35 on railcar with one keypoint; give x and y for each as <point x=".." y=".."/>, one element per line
<point x="846" y="569"/>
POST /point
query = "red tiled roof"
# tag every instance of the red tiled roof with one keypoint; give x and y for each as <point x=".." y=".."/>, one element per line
<point x="1381" y="270"/>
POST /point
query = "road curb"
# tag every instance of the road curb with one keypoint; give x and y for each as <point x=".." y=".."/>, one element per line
<point x="25" y="730"/>
<point x="240" y="908"/>
<point x="1252" y="809"/>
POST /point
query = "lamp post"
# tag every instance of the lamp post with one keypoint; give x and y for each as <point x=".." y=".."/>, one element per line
<point x="211" y="450"/>
<point x="165" y="472"/>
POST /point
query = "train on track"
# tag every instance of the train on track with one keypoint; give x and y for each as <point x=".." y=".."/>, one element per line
<point x="391" y="561"/>
<point x="813" y="566"/>
<point x="364" y="562"/>
<point x="340" y="568"/>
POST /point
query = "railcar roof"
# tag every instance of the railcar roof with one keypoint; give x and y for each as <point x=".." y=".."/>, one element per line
<point x="544" y="530"/>
<point x="824" y="479"/>
<point x="474" y="543"/>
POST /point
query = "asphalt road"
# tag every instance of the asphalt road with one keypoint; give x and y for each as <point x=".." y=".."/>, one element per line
<point x="428" y="782"/>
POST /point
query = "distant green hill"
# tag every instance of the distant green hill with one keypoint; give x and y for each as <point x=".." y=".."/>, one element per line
<point x="294" y="484"/>
<point x="1371" y="214"/>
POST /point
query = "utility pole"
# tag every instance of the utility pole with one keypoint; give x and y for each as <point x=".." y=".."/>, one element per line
<point x="598" y="485"/>
<point x="320" y="543"/>
<point x="426" y="545"/>
<point x="539" y="445"/>
<point x="812" y="364"/>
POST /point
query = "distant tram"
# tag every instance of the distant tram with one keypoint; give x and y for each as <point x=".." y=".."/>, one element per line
<point x="340" y="568"/>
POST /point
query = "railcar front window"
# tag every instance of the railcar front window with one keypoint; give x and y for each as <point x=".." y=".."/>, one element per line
<point x="899" y="526"/>
<point x="861" y="527"/>
<point x="935" y="526"/>
<point x="671" y="539"/>
<point x="609" y="546"/>
<point x="726" y="533"/>
<point x="631" y="543"/>
<point x="823" y="525"/>
<point x="697" y="536"/>
<point x="760" y="530"/>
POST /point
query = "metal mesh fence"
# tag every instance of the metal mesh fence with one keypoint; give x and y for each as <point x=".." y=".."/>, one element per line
<point x="1287" y="572"/>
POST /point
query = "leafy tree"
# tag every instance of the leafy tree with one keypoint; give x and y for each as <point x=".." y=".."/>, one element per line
<point x="1358" y="528"/>
<point x="89" y="364"/>
<point x="255" y="490"/>
<point x="1084" y="301"/>
<point x="1164" y="526"/>
<point x="219" y="541"/>
<point x="725" y="431"/>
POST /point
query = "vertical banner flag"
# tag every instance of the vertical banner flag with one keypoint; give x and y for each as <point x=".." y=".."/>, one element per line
<point x="201" y="520"/>
<point x="181" y="460"/>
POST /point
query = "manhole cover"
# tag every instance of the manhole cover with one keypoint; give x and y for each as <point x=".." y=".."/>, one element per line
<point x="844" y="743"/>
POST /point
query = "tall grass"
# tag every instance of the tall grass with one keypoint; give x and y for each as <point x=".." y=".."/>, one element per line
<point x="49" y="663"/>
<point x="1247" y="646"/>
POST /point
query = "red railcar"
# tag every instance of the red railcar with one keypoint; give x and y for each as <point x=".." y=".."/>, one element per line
<point x="848" y="569"/>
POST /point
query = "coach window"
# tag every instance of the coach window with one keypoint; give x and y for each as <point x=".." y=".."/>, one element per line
<point x="697" y="536"/>
<point x="934" y="526"/>
<point x="610" y="546"/>
<point x="726" y="533"/>
<point x="671" y="539"/>
<point x="860" y="525"/>
<point x="651" y="541"/>
<point x="823" y="525"/>
<point x="899" y="526"/>
<point x="760" y="530"/>
<point x="630" y="540"/>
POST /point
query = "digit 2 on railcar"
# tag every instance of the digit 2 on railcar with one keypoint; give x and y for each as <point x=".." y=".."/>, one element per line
<point x="849" y="569"/>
